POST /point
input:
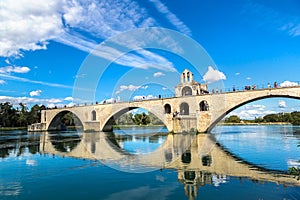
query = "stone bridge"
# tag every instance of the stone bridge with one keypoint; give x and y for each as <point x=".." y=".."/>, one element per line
<point x="181" y="113"/>
<point x="193" y="107"/>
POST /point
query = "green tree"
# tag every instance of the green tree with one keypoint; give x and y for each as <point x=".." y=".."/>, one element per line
<point x="272" y="118"/>
<point x="141" y="119"/>
<point x="23" y="115"/>
<point x="233" y="119"/>
<point x="8" y="115"/>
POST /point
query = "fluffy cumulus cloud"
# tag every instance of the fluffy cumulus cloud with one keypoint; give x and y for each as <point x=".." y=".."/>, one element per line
<point x="14" y="69"/>
<point x="2" y="82"/>
<point x="35" y="93"/>
<point x="288" y="84"/>
<point x="130" y="88"/>
<point x="213" y="75"/>
<point x="68" y="99"/>
<point x="29" y="25"/>
<point x="252" y="111"/>
<point x="281" y="104"/>
<point x="158" y="74"/>
<point x="29" y="100"/>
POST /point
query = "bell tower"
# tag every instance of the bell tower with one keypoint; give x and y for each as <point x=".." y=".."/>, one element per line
<point x="188" y="86"/>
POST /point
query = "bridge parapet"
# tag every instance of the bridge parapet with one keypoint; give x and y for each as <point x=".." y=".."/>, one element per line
<point x="200" y="112"/>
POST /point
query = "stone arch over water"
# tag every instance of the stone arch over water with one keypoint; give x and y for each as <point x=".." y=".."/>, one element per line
<point x="242" y="103"/>
<point x="57" y="123"/>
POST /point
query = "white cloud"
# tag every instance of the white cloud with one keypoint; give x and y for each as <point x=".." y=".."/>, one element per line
<point x="30" y="25"/>
<point x="268" y="17"/>
<point x="15" y="69"/>
<point x="288" y="84"/>
<point x="2" y="82"/>
<point x="213" y="75"/>
<point x="237" y="73"/>
<point x="281" y="104"/>
<point x="171" y="17"/>
<point x="25" y="80"/>
<point x="68" y="99"/>
<point x="248" y="78"/>
<point x="35" y="93"/>
<point x="252" y="111"/>
<point x="158" y="74"/>
<point x="28" y="100"/>
<point x="130" y="88"/>
<point x="7" y="61"/>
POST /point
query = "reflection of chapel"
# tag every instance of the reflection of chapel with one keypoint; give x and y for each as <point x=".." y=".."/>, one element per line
<point x="188" y="86"/>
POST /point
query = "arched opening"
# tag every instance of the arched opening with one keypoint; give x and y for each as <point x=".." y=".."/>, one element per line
<point x="203" y="105"/>
<point x="186" y="91"/>
<point x="167" y="108"/>
<point x="65" y="120"/>
<point x="184" y="109"/>
<point x="93" y="115"/>
<point x="132" y="116"/>
<point x="275" y="98"/>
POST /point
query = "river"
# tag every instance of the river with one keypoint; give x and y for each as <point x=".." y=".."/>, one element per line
<point x="234" y="162"/>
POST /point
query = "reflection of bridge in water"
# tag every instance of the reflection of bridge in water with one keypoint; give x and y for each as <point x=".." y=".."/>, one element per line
<point x="197" y="159"/>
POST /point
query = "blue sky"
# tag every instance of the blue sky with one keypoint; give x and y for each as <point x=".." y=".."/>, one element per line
<point x="43" y="44"/>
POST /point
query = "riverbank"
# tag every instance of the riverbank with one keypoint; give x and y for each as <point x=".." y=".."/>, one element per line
<point x="12" y="128"/>
<point x="253" y="124"/>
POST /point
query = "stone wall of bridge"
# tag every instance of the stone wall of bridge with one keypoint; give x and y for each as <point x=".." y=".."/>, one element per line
<point x="218" y="105"/>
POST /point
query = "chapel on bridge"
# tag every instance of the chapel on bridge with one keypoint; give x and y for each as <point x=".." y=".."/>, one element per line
<point x="188" y="86"/>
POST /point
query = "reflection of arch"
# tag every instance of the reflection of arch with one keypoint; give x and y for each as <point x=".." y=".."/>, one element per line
<point x="184" y="109"/>
<point x="186" y="91"/>
<point x="204" y="106"/>
<point x="57" y="122"/>
<point x="186" y="157"/>
<point x="213" y="124"/>
<point x="167" y="108"/>
<point x="206" y="160"/>
<point x="65" y="142"/>
<point x="189" y="175"/>
<point x="93" y="115"/>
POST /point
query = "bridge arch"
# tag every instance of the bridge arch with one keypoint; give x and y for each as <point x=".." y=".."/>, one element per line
<point x="107" y="125"/>
<point x="232" y="107"/>
<point x="57" y="124"/>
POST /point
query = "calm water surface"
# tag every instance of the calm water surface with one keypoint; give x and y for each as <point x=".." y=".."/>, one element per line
<point x="235" y="162"/>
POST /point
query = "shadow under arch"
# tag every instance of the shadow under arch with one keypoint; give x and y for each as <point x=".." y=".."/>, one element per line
<point x="108" y="125"/>
<point x="214" y="123"/>
<point x="58" y="123"/>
